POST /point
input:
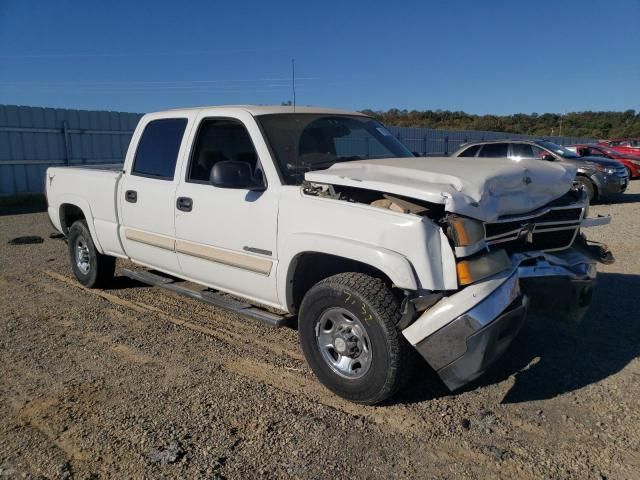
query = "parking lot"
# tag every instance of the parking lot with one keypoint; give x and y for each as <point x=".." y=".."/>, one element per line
<point x="137" y="382"/>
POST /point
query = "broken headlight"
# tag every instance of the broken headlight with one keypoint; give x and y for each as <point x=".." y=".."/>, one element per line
<point x="465" y="231"/>
<point x="478" y="268"/>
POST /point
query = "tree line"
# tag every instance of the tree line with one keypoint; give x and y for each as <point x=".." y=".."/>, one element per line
<point x="598" y="125"/>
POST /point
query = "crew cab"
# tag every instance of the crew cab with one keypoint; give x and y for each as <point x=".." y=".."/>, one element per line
<point x="323" y="218"/>
<point x="631" y="163"/>
<point x="599" y="177"/>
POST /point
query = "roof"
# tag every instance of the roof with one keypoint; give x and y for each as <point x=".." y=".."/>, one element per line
<point x="266" y="109"/>
<point x="505" y="140"/>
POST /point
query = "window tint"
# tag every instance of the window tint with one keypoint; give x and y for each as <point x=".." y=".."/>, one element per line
<point x="220" y="139"/>
<point x="521" y="150"/>
<point x="494" y="150"/>
<point x="157" y="151"/>
<point x="471" y="151"/>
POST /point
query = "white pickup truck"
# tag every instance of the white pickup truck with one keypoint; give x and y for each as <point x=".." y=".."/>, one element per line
<point x="323" y="216"/>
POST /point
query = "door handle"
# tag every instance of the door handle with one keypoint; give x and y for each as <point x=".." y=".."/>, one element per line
<point x="184" y="203"/>
<point x="131" y="196"/>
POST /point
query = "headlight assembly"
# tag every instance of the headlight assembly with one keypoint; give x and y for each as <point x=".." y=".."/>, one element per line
<point x="465" y="231"/>
<point x="606" y="170"/>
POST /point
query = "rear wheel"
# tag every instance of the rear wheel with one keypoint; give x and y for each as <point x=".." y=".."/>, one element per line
<point x="587" y="186"/>
<point x="347" y="329"/>
<point x="91" y="268"/>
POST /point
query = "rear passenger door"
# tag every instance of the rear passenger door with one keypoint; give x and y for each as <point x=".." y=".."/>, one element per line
<point x="226" y="237"/>
<point x="146" y="194"/>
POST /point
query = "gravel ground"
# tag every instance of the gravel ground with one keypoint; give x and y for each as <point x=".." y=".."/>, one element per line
<point x="135" y="382"/>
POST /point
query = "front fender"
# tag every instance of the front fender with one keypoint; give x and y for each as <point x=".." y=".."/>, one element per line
<point x="394" y="265"/>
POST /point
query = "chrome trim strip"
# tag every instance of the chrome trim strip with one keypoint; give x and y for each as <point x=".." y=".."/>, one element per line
<point x="539" y="213"/>
<point x="595" y="221"/>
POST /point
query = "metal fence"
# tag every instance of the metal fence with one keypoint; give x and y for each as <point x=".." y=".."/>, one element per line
<point x="33" y="138"/>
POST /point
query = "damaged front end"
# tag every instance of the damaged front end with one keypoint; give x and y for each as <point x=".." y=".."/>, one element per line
<point x="504" y="267"/>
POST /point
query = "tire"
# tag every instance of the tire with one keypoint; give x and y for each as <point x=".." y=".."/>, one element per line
<point x="363" y="312"/>
<point x="91" y="268"/>
<point x="588" y="187"/>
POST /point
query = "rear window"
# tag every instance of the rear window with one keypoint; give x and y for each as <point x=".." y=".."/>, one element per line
<point x="470" y="152"/>
<point x="158" y="148"/>
<point x="494" y="150"/>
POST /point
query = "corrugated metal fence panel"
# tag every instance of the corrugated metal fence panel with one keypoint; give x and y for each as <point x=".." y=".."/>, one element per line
<point x="34" y="138"/>
<point x="428" y="141"/>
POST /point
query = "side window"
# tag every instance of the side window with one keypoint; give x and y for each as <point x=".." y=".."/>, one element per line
<point x="538" y="152"/>
<point x="521" y="150"/>
<point x="471" y="151"/>
<point x="218" y="140"/>
<point x="494" y="150"/>
<point x="593" y="152"/>
<point x="158" y="148"/>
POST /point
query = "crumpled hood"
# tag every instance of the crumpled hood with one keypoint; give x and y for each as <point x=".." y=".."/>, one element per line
<point x="482" y="188"/>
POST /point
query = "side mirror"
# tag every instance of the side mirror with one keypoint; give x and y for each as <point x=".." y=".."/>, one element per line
<point x="235" y="174"/>
<point x="548" y="157"/>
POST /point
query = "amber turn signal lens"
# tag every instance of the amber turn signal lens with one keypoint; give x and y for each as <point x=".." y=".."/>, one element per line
<point x="464" y="273"/>
<point x="480" y="267"/>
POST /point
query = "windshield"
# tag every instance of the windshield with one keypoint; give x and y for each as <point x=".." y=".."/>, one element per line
<point x="303" y="142"/>
<point x="559" y="150"/>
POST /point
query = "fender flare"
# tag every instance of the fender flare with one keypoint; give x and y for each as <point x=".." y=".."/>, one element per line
<point x="86" y="211"/>
<point x="394" y="265"/>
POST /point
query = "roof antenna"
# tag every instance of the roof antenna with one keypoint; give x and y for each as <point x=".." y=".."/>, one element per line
<point x="293" y="82"/>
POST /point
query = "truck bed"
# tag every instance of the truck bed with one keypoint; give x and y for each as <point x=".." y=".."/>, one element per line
<point x="94" y="190"/>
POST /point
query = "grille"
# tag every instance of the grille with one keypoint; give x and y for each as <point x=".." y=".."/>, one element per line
<point x="552" y="229"/>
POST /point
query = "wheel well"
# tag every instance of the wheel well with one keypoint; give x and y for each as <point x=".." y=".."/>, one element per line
<point x="593" y="184"/>
<point x="68" y="214"/>
<point x="309" y="268"/>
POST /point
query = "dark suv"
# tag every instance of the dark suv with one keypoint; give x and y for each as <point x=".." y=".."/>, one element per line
<point x="600" y="177"/>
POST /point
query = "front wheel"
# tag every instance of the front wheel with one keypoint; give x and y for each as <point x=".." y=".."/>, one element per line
<point x="588" y="187"/>
<point x="347" y="329"/>
<point x="90" y="267"/>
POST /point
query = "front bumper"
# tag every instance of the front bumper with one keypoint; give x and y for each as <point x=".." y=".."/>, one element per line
<point x="611" y="184"/>
<point x="463" y="334"/>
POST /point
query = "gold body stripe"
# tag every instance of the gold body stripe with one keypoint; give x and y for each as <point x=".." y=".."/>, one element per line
<point x="226" y="257"/>
<point x="152" y="239"/>
<point x="206" y="252"/>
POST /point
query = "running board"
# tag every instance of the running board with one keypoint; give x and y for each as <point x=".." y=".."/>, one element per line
<point x="212" y="297"/>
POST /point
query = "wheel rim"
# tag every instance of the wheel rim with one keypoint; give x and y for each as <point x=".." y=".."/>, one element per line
<point x="82" y="256"/>
<point x="343" y="343"/>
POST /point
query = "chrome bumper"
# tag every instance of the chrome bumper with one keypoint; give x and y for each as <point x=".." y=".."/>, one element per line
<point x="463" y="334"/>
